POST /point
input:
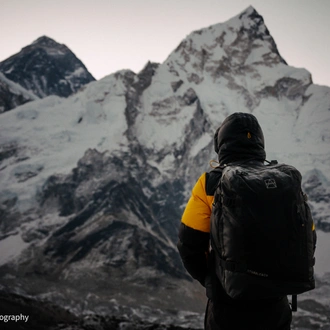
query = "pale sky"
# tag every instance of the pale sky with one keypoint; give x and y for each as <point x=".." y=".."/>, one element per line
<point x="110" y="35"/>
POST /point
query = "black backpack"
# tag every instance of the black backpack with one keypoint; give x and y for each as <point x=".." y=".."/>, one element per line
<point x="262" y="232"/>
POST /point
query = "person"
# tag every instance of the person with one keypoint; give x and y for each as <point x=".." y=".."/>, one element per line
<point x="238" y="139"/>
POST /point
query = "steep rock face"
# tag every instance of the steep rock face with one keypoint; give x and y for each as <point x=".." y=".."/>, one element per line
<point x="111" y="214"/>
<point x="46" y="68"/>
<point x="93" y="197"/>
<point x="12" y="94"/>
<point x="317" y="187"/>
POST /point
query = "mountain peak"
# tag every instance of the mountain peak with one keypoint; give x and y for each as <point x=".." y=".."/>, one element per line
<point x="49" y="45"/>
<point x="250" y="17"/>
<point x="249" y="11"/>
<point x="227" y="50"/>
<point x="46" y="67"/>
<point x="46" y="41"/>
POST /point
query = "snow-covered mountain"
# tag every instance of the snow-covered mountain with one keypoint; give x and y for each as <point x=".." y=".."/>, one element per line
<point x="93" y="186"/>
<point x="43" y="68"/>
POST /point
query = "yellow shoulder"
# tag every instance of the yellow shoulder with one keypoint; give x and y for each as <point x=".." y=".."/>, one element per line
<point x="198" y="209"/>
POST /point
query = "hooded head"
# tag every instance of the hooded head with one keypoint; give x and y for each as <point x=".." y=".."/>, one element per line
<point x="239" y="137"/>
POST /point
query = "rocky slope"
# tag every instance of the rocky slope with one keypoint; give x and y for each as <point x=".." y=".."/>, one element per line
<point x="33" y="314"/>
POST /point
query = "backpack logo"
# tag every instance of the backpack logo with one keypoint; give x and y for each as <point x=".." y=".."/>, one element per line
<point x="270" y="184"/>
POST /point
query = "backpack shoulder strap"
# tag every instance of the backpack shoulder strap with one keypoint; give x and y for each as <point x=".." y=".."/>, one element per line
<point x="212" y="180"/>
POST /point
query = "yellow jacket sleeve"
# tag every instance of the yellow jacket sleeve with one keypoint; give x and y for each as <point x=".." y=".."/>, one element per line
<point x="198" y="209"/>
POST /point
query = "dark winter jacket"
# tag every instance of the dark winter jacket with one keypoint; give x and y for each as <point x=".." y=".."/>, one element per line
<point x="239" y="138"/>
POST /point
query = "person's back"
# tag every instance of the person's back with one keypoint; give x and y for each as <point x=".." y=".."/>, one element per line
<point x="223" y="312"/>
<point x="238" y="139"/>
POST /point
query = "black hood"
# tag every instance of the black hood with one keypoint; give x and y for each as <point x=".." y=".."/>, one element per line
<point x="239" y="137"/>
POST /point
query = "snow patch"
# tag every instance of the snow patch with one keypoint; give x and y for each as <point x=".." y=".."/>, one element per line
<point x="11" y="247"/>
<point x="200" y="144"/>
